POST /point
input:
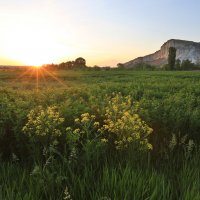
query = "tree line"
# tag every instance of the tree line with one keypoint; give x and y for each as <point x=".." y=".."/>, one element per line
<point x="78" y="63"/>
<point x="172" y="64"/>
<point x="177" y="64"/>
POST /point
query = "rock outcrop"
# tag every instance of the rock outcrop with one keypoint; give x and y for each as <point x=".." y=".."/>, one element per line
<point x="184" y="50"/>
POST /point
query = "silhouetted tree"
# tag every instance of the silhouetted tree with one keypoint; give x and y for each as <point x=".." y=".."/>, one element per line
<point x="80" y="62"/>
<point x="69" y="64"/>
<point x="120" y="66"/>
<point x="97" y="68"/>
<point x="106" y="68"/>
<point x="172" y="57"/>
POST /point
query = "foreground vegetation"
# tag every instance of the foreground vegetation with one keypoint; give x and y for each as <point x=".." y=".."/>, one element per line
<point x="99" y="135"/>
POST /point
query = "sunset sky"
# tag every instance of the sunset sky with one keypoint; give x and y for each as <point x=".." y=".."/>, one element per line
<point x="104" y="32"/>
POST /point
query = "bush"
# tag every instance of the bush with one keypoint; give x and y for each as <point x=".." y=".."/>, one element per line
<point x="123" y="127"/>
<point x="43" y="128"/>
<point x="43" y="125"/>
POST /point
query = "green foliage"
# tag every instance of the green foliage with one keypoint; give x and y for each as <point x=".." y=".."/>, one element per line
<point x="85" y="139"/>
<point x="172" y="57"/>
<point x="44" y="125"/>
<point x="187" y="65"/>
<point x="111" y="182"/>
<point x="144" y="67"/>
<point x="178" y="64"/>
<point x="49" y="160"/>
<point x="123" y="127"/>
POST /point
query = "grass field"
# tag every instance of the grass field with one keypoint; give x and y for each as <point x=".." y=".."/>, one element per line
<point x="99" y="135"/>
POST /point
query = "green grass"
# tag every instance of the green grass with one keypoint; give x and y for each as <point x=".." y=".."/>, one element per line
<point x="169" y="102"/>
<point x="114" y="182"/>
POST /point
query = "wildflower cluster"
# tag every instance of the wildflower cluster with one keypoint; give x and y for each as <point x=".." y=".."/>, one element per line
<point x="87" y="126"/>
<point x="122" y="126"/>
<point x="43" y="123"/>
<point x="84" y="138"/>
<point x="183" y="143"/>
<point x="67" y="195"/>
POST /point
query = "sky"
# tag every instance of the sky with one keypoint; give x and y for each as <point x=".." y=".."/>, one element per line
<point x="104" y="32"/>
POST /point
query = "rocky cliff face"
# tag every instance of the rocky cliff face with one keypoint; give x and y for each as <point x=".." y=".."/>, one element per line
<point x="184" y="50"/>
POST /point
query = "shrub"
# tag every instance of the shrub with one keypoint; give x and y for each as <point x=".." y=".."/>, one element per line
<point x="44" y="125"/>
<point x="123" y="127"/>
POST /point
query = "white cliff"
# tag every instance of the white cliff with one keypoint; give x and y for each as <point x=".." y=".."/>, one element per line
<point x="184" y="50"/>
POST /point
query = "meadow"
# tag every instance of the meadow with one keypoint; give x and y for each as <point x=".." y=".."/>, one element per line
<point x="99" y="135"/>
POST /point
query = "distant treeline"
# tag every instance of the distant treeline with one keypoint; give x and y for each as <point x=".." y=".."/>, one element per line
<point x="79" y="63"/>
<point x="179" y="66"/>
<point x="184" y="65"/>
<point x="173" y="64"/>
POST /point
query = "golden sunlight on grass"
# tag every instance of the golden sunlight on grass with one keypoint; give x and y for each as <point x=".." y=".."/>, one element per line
<point x="37" y="66"/>
<point x="39" y="76"/>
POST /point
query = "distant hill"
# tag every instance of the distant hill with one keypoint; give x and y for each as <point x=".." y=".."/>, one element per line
<point x="185" y="50"/>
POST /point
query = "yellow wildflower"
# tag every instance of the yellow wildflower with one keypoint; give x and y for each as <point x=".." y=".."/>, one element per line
<point x="76" y="131"/>
<point x="104" y="140"/>
<point x="96" y="123"/>
<point x="77" y="120"/>
<point x="149" y="146"/>
<point x="85" y="119"/>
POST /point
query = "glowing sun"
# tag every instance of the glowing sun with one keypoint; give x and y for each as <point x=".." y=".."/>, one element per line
<point x="35" y="48"/>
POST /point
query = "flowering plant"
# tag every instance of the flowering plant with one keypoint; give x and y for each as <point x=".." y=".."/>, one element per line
<point x="44" y="125"/>
<point x="122" y="126"/>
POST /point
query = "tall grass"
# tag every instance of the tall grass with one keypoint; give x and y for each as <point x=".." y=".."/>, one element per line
<point x="112" y="182"/>
<point x="169" y="102"/>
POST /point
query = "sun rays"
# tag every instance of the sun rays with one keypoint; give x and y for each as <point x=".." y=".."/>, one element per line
<point x="39" y="77"/>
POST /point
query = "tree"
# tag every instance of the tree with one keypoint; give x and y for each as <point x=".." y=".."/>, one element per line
<point x="172" y="57"/>
<point x="178" y="64"/>
<point x="80" y="62"/>
<point x="187" y="65"/>
<point x="96" y="68"/>
<point x="120" y="66"/>
<point x="69" y="64"/>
